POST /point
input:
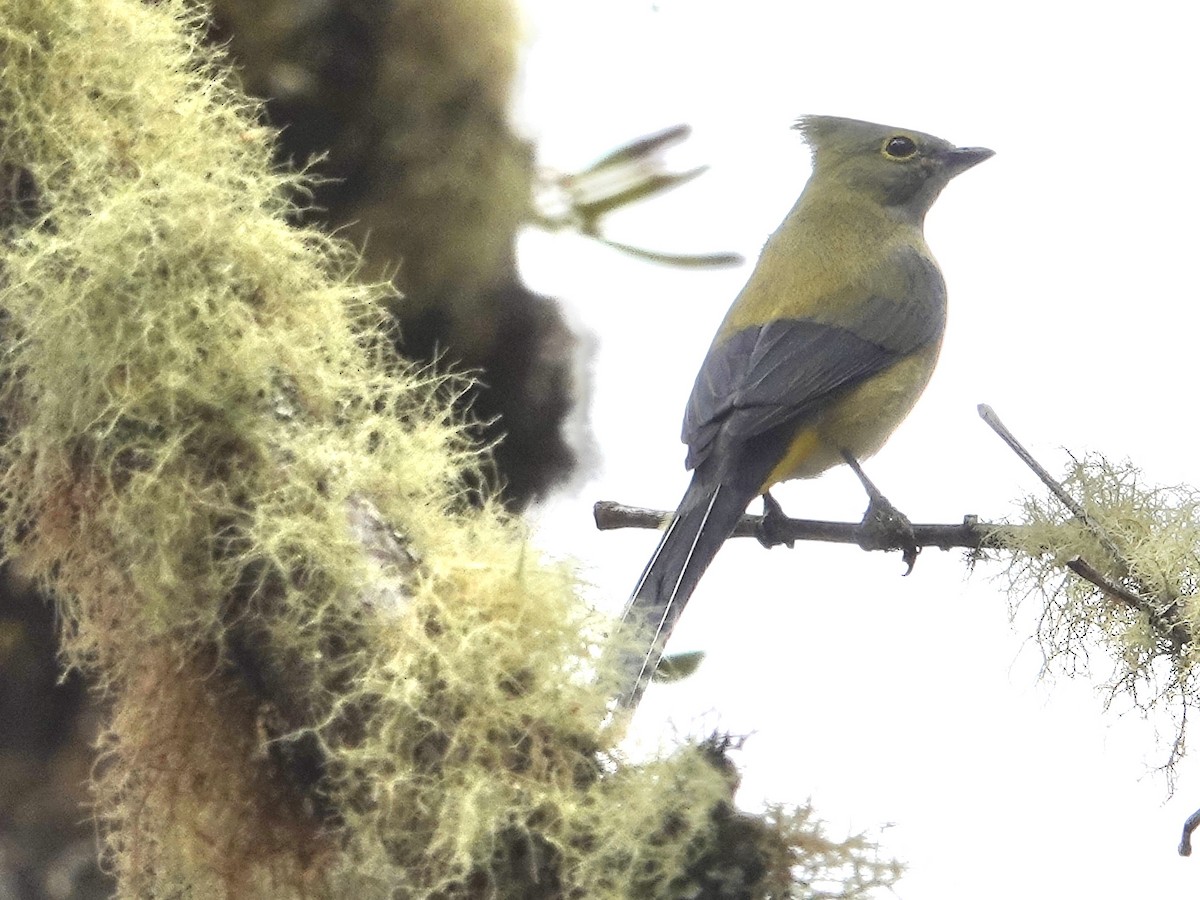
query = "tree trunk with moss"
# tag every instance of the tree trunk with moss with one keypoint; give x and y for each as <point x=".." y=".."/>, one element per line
<point x="401" y="107"/>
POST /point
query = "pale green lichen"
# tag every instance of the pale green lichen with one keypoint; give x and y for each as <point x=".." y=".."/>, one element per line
<point x="1155" y="531"/>
<point x="199" y="414"/>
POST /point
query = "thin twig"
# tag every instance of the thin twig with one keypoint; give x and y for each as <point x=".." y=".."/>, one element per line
<point x="1088" y="572"/>
<point x="1165" y="621"/>
<point x="1185" y="843"/>
<point x="971" y="534"/>
<point x="989" y="415"/>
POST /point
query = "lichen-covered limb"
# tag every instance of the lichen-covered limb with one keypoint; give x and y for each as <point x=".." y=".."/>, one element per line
<point x="327" y="677"/>
<point x="1139" y="603"/>
<point x="1135" y="551"/>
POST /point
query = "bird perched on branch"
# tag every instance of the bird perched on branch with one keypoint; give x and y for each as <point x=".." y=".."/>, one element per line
<point x="819" y="358"/>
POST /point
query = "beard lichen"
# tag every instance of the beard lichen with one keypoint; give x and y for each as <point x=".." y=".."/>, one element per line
<point x="1142" y="544"/>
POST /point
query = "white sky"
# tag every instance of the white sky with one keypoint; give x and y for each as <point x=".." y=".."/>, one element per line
<point x="1069" y="259"/>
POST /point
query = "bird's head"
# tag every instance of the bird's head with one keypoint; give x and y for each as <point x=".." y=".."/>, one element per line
<point x="896" y="167"/>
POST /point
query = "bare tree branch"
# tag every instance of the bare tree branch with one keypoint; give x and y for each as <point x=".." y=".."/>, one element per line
<point x="971" y="534"/>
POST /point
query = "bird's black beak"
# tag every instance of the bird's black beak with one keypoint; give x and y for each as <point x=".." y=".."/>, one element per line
<point x="962" y="158"/>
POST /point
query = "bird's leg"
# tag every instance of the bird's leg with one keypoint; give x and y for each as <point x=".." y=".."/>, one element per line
<point x="770" y="529"/>
<point x="884" y="526"/>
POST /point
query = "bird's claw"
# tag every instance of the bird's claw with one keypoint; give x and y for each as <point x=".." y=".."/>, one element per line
<point x="771" y="530"/>
<point x="886" y="528"/>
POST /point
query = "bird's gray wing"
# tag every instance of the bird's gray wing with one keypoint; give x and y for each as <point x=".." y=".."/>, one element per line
<point x="766" y="375"/>
<point x="769" y="374"/>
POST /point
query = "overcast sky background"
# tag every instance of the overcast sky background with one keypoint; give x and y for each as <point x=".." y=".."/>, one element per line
<point x="1070" y="259"/>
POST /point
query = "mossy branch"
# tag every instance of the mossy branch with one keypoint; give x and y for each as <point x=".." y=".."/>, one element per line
<point x="1162" y="612"/>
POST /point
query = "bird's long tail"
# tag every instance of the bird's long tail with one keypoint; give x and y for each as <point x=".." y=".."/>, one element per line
<point x="705" y="518"/>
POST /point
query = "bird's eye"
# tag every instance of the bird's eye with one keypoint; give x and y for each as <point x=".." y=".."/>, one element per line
<point x="900" y="147"/>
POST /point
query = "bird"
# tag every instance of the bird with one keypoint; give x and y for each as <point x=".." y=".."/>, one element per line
<point x="821" y="355"/>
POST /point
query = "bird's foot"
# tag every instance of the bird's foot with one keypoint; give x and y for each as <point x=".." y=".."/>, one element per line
<point x="886" y="528"/>
<point x="883" y="526"/>
<point x="771" y="528"/>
